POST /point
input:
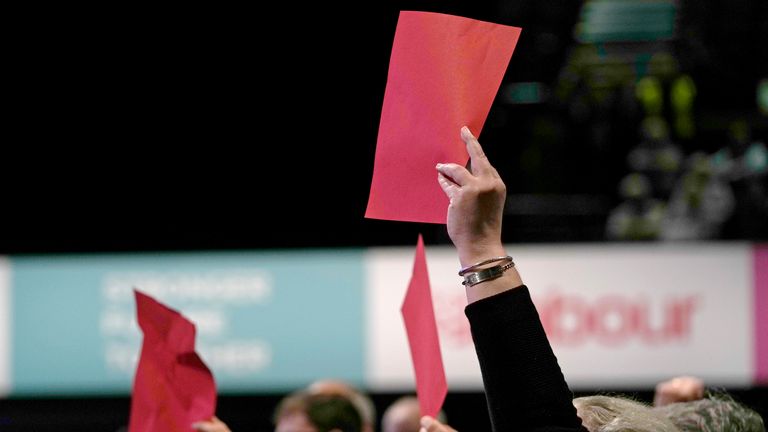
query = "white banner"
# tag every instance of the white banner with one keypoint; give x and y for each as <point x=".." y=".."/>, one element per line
<point x="5" y="327"/>
<point x="617" y="315"/>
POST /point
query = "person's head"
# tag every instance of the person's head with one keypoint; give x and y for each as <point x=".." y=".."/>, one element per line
<point x="614" y="414"/>
<point x="716" y="412"/>
<point x="404" y="415"/>
<point x="711" y="414"/>
<point x="304" y="412"/>
<point x="360" y="400"/>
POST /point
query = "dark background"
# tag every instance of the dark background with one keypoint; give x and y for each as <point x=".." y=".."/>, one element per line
<point x="203" y="127"/>
<point x="210" y="127"/>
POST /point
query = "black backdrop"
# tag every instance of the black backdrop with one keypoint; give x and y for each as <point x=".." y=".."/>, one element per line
<point x="207" y="127"/>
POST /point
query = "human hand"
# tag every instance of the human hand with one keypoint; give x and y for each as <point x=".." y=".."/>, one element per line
<point x="678" y="389"/>
<point x="476" y="204"/>
<point x="213" y="425"/>
<point x="428" y="424"/>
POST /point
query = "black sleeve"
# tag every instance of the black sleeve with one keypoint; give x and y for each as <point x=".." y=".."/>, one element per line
<point x="524" y="387"/>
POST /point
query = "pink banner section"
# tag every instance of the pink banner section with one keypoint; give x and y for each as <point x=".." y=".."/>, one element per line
<point x="760" y="261"/>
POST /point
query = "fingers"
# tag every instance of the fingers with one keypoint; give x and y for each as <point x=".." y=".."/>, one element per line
<point x="428" y="424"/>
<point x="679" y="389"/>
<point x="449" y="187"/>
<point x="456" y="173"/>
<point x="214" y="425"/>
<point x="480" y="163"/>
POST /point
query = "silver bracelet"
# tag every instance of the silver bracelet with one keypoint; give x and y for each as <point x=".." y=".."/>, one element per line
<point x="485" y="275"/>
<point x="472" y="267"/>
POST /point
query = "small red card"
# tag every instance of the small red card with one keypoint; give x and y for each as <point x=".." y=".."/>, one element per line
<point x="419" y="317"/>
<point x="173" y="388"/>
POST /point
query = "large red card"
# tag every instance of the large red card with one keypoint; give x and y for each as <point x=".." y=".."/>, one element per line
<point x="444" y="72"/>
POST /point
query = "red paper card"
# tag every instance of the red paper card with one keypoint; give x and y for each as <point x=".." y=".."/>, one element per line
<point x="444" y="73"/>
<point x="173" y="388"/>
<point x="420" y="324"/>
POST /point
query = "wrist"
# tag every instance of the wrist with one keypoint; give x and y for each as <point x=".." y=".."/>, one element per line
<point x="477" y="252"/>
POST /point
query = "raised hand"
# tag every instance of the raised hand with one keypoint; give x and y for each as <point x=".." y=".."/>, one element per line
<point x="213" y="425"/>
<point x="475" y="213"/>
<point x="428" y="424"/>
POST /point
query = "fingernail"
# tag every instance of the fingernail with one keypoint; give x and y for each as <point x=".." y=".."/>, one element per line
<point x="426" y="421"/>
<point x="438" y="166"/>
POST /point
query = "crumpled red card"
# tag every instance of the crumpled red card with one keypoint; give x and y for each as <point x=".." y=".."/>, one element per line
<point x="421" y="327"/>
<point x="444" y="72"/>
<point x="173" y="388"/>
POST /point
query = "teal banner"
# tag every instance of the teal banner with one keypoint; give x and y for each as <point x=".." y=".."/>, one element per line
<point x="266" y="321"/>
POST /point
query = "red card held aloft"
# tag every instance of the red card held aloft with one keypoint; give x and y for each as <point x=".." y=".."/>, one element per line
<point x="421" y="327"/>
<point x="173" y="388"/>
<point x="444" y="72"/>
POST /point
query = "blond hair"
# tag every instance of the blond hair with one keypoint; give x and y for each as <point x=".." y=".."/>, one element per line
<point x="616" y="414"/>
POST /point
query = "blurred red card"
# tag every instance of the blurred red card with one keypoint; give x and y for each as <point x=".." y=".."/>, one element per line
<point x="420" y="324"/>
<point x="173" y="388"/>
<point x="444" y="72"/>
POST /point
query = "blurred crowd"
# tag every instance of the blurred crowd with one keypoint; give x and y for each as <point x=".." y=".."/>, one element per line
<point x="671" y="195"/>
<point x="679" y="118"/>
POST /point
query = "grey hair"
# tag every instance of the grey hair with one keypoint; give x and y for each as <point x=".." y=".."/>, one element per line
<point x="717" y="412"/>
<point x="617" y="414"/>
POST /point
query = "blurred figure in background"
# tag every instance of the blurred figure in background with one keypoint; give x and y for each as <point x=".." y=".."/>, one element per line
<point x="656" y="156"/>
<point x="305" y="412"/>
<point x="744" y="163"/>
<point x="404" y="415"/>
<point x="700" y="204"/>
<point x="639" y="216"/>
<point x="361" y="401"/>
<point x="323" y="406"/>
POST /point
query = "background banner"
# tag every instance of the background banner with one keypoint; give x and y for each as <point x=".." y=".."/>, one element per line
<point x="618" y="316"/>
<point x="265" y="321"/>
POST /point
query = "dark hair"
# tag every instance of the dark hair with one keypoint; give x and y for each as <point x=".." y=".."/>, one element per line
<point x="325" y="412"/>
